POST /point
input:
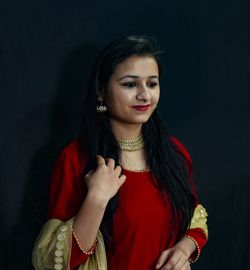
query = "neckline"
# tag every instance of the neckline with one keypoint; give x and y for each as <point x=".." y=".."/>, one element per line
<point x="136" y="171"/>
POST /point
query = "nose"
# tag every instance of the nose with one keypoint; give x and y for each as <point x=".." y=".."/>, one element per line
<point x="143" y="93"/>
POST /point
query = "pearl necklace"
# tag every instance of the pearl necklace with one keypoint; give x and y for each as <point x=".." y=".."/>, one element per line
<point x="131" y="145"/>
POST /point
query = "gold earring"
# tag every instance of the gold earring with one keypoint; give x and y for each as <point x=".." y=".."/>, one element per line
<point x="100" y="108"/>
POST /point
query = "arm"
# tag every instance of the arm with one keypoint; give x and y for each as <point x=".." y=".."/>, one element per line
<point x="102" y="185"/>
<point x="67" y="193"/>
<point x="198" y="231"/>
<point x="188" y="249"/>
<point x="198" y="226"/>
<point x="66" y="196"/>
<point x="69" y="206"/>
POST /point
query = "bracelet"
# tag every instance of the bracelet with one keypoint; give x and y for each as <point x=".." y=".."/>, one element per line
<point x="197" y="247"/>
<point x="91" y="250"/>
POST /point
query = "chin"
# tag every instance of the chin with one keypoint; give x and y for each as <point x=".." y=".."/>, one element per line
<point x="142" y="120"/>
<point x="133" y="119"/>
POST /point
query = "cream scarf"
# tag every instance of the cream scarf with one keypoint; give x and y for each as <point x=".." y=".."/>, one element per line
<point x="52" y="249"/>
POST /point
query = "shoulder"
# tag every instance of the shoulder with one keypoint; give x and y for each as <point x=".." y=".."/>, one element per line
<point x="67" y="186"/>
<point x="72" y="148"/>
<point x="72" y="153"/>
<point x="181" y="148"/>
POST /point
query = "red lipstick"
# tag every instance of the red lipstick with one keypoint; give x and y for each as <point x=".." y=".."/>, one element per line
<point x="141" y="108"/>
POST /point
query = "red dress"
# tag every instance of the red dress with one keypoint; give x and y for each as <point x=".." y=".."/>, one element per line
<point x="142" y="220"/>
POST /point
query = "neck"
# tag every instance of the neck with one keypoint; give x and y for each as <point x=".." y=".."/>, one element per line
<point x="125" y="131"/>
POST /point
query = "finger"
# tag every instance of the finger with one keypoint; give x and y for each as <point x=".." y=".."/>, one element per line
<point x="171" y="262"/>
<point x="110" y="163"/>
<point x="162" y="259"/>
<point x="89" y="173"/>
<point x="100" y="160"/>
<point x="186" y="266"/>
<point x="122" y="179"/>
<point x="181" y="263"/>
<point x="118" y="170"/>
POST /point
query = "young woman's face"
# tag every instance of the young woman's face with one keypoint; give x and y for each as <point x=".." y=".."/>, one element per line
<point x="133" y="90"/>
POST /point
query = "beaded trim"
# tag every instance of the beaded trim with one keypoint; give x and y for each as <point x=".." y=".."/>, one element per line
<point x="90" y="251"/>
<point x="142" y="170"/>
<point x="197" y="247"/>
<point x="58" y="259"/>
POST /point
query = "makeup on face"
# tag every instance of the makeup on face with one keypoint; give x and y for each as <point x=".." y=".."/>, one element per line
<point x="133" y="90"/>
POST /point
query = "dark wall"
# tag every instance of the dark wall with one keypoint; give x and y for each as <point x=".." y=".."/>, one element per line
<point x="46" y="50"/>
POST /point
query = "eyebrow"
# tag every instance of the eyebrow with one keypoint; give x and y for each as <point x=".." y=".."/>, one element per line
<point x="136" y="77"/>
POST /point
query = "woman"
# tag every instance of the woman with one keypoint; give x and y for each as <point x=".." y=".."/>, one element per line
<point x="125" y="179"/>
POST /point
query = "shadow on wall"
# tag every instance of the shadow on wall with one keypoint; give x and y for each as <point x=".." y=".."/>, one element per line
<point x="34" y="144"/>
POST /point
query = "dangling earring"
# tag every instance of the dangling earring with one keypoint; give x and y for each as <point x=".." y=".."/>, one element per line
<point x="101" y="108"/>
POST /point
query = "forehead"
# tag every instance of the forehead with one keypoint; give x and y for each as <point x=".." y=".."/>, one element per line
<point x="137" y="65"/>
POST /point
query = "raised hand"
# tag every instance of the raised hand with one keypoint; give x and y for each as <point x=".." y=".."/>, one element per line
<point x="105" y="181"/>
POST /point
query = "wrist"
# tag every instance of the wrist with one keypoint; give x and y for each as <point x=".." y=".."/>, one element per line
<point x="187" y="246"/>
<point x="196" y="253"/>
<point x="97" y="200"/>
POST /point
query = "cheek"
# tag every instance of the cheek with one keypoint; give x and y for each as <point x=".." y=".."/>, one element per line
<point x="116" y="100"/>
<point x="123" y="98"/>
<point x="111" y="98"/>
<point x="156" y="97"/>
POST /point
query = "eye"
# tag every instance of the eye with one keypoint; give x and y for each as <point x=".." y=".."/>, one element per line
<point x="152" y="84"/>
<point x="129" y="84"/>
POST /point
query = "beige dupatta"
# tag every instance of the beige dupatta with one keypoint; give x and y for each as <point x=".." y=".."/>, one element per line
<point x="52" y="248"/>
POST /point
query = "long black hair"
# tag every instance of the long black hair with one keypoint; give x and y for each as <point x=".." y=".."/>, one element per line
<point x="96" y="137"/>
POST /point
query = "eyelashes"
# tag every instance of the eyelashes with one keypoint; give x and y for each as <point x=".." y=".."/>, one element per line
<point x="134" y="84"/>
<point x="129" y="84"/>
<point x="152" y="84"/>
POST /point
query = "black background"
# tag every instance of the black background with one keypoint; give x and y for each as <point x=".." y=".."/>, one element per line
<point x="46" y="50"/>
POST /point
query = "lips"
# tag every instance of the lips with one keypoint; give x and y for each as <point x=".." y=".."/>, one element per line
<point x="141" y="108"/>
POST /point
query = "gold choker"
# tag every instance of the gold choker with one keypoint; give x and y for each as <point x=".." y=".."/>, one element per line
<point x="131" y="145"/>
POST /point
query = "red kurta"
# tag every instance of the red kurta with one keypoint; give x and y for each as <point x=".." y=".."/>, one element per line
<point x="142" y="220"/>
